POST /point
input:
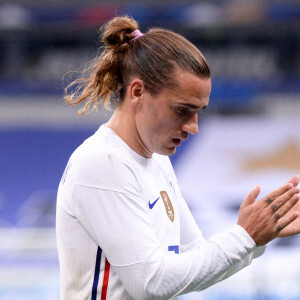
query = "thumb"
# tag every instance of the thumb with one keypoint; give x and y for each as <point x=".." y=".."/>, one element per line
<point x="250" y="198"/>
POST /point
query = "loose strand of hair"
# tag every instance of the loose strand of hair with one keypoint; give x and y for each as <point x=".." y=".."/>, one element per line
<point x="96" y="82"/>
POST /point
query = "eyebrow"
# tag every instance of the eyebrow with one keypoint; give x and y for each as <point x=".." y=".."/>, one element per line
<point x="192" y="106"/>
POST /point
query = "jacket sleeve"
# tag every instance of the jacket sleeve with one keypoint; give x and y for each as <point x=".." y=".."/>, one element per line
<point x="192" y="237"/>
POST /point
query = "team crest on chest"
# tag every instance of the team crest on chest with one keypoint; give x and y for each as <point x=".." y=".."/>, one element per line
<point x="168" y="205"/>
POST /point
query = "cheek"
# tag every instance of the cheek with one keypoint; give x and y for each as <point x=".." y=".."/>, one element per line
<point x="169" y="123"/>
<point x="161" y="125"/>
<point x="154" y="131"/>
<point x="158" y="123"/>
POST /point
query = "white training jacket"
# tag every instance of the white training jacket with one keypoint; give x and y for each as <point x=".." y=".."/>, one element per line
<point x="125" y="232"/>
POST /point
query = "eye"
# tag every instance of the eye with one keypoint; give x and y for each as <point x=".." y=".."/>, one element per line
<point x="181" y="110"/>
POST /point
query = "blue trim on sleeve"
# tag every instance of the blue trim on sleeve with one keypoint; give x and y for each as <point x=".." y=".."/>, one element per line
<point x="96" y="274"/>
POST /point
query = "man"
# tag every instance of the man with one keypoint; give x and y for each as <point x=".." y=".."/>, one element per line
<point x="124" y="230"/>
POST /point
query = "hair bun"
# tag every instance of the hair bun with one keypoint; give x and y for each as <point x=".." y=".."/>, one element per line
<point x="118" y="31"/>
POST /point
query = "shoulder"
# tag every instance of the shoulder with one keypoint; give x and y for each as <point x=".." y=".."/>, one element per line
<point x="103" y="149"/>
<point x="98" y="162"/>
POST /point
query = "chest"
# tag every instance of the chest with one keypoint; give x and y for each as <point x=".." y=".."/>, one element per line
<point x="161" y="202"/>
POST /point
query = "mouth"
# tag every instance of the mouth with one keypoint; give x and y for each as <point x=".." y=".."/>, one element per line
<point x="176" y="142"/>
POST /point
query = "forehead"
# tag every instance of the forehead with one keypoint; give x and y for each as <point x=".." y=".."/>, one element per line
<point x="191" y="89"/>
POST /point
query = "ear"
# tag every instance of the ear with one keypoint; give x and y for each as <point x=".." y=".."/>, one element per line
<point x="136" y="90"/>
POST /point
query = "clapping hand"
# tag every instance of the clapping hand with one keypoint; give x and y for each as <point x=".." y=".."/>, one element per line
<point x="275" y="215"/>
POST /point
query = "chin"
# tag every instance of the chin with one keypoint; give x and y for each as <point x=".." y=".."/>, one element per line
<point x="166" y="151"/>
<point x="173" y="151"/>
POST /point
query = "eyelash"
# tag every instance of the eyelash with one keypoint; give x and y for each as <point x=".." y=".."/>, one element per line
<point x="181" y="111"/>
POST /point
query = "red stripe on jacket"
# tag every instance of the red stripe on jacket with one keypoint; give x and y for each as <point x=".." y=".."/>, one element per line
<point x="105" y="280"/>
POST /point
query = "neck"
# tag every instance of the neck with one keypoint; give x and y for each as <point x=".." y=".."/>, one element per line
<point x="123" y="124"/>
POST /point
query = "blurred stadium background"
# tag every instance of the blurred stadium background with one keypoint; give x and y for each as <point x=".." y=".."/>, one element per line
<point x="249" y="135"/>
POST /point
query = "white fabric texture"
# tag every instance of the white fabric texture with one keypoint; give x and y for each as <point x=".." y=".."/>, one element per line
<point x="130" y="208"/>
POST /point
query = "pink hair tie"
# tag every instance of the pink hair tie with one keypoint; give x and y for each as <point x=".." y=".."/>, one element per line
<point x="136" y="34"/>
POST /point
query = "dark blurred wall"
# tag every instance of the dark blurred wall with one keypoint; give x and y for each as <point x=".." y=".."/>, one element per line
<point x="252" y="46"/>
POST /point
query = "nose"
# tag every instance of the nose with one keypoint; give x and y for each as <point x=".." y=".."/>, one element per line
<point x="191" y="125"/>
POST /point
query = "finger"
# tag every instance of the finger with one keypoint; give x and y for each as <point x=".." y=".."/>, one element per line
<point x="286" y="207"/>
<point x="250" y="198"/>
<point x="284" y="222"/>
<point x="280" y="201"/>
<point x="294" y="180"/>
<point x="275" y="194"/>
